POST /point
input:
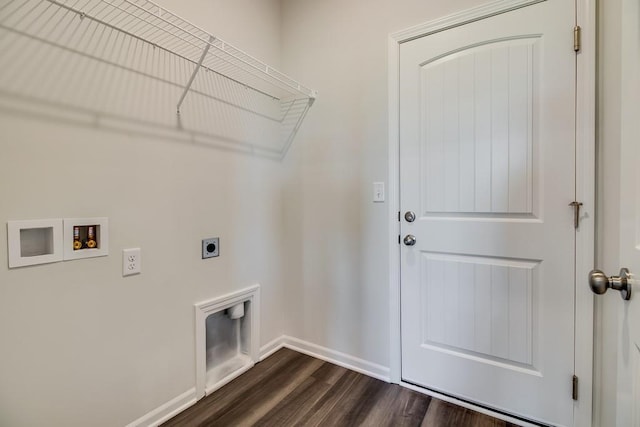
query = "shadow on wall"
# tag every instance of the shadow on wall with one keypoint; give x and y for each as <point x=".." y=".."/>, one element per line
<point x="129" y="73"/>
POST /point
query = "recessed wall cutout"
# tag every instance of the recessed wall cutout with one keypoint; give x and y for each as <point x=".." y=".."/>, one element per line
<point x="43" y="241"/>
<point x="34" y="242"/>
<point x="86" y="238"/>
<point x="227" y="338"/>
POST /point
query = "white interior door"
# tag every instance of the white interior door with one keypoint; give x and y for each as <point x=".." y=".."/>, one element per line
<point x="628" y="397"/>
<point x="487" y="164"/>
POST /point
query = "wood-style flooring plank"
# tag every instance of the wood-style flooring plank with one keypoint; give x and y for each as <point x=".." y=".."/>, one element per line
<point x="294" y="409"/>
<point x="321" y="410"/>
<point x="292" y="389"/>
<point x="356" y="400"/>
<point x="445" y="414"/>
<point x="211" y="406"/>
<point x="399" y="407"/>
<point x="248" y="409"/>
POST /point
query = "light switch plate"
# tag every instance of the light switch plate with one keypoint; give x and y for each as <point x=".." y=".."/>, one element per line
<point x="378" y="192"/>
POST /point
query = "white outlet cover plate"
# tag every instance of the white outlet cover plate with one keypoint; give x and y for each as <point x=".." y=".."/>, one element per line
<point x="131" y="261"/>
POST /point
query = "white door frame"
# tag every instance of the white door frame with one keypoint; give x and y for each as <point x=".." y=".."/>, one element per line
<point x="585" y="184"/>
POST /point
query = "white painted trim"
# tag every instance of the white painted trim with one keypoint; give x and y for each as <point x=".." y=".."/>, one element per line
<point x="585" y="175"/>
<point x="202" y="311"/>
<point x="166" y="411"/>
<point x="585" y="193"/>
<point x="337" y="358"/>
<point x="468" y="405"/>
<point x="328" y="355"/>
<point x="460" y="18"/>
<point x="271" y="347"/>
<point x="393" y="191"/>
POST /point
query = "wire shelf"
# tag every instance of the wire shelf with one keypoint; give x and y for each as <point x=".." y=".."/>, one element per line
<point x="134" y="60"/>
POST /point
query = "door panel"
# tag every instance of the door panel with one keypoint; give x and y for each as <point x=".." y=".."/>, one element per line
<point x="487" y="162"/>
<point x="481" y="94"/>
<point x="480" y="307"/>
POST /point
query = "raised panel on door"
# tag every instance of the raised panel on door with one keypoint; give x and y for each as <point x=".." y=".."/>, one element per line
<point x="478" y="307"/>
<point x="476" y="129"/>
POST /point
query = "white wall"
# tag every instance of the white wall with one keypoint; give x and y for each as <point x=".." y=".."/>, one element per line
<point x="81" y="345"/>
<point x="337" y="239"/>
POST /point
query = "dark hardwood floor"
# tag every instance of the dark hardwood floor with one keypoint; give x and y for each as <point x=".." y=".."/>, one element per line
<point x="292" y="389"/>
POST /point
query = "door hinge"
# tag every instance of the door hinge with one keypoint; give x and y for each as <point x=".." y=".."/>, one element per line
<point x="574" y="388"/>
<point x="398" y="216"/>
<point x="576" y="213"/>
<point x="577" y="38"/>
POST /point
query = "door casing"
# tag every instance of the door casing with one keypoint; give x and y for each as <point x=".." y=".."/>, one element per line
<point x="585" y="188"/>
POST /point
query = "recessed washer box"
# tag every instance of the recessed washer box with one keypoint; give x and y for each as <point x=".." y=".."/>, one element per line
<point x="84" y="230"/>
<point x="32" y="242"/>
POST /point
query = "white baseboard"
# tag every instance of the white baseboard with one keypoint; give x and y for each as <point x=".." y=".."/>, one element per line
<point x="271" y="347"/>
<point x="337" y="358"/>
<point x="166" y="411"/>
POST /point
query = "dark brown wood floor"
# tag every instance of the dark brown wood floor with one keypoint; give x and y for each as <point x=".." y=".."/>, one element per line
<point x="292" y="389"/>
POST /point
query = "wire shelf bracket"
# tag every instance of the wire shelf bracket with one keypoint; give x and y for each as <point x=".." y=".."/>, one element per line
<point x="193" y="76"/>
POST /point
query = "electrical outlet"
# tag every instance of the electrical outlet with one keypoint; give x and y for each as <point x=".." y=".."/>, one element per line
<point x="210" y="247"/>
<point x="131" y="262"/>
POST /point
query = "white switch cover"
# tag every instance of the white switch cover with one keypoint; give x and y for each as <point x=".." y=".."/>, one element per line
<point x="378" y="191"/>
<point x="131" y="261"/>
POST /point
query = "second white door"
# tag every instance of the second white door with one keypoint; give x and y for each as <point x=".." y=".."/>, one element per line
<point x="487" y="161"/>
